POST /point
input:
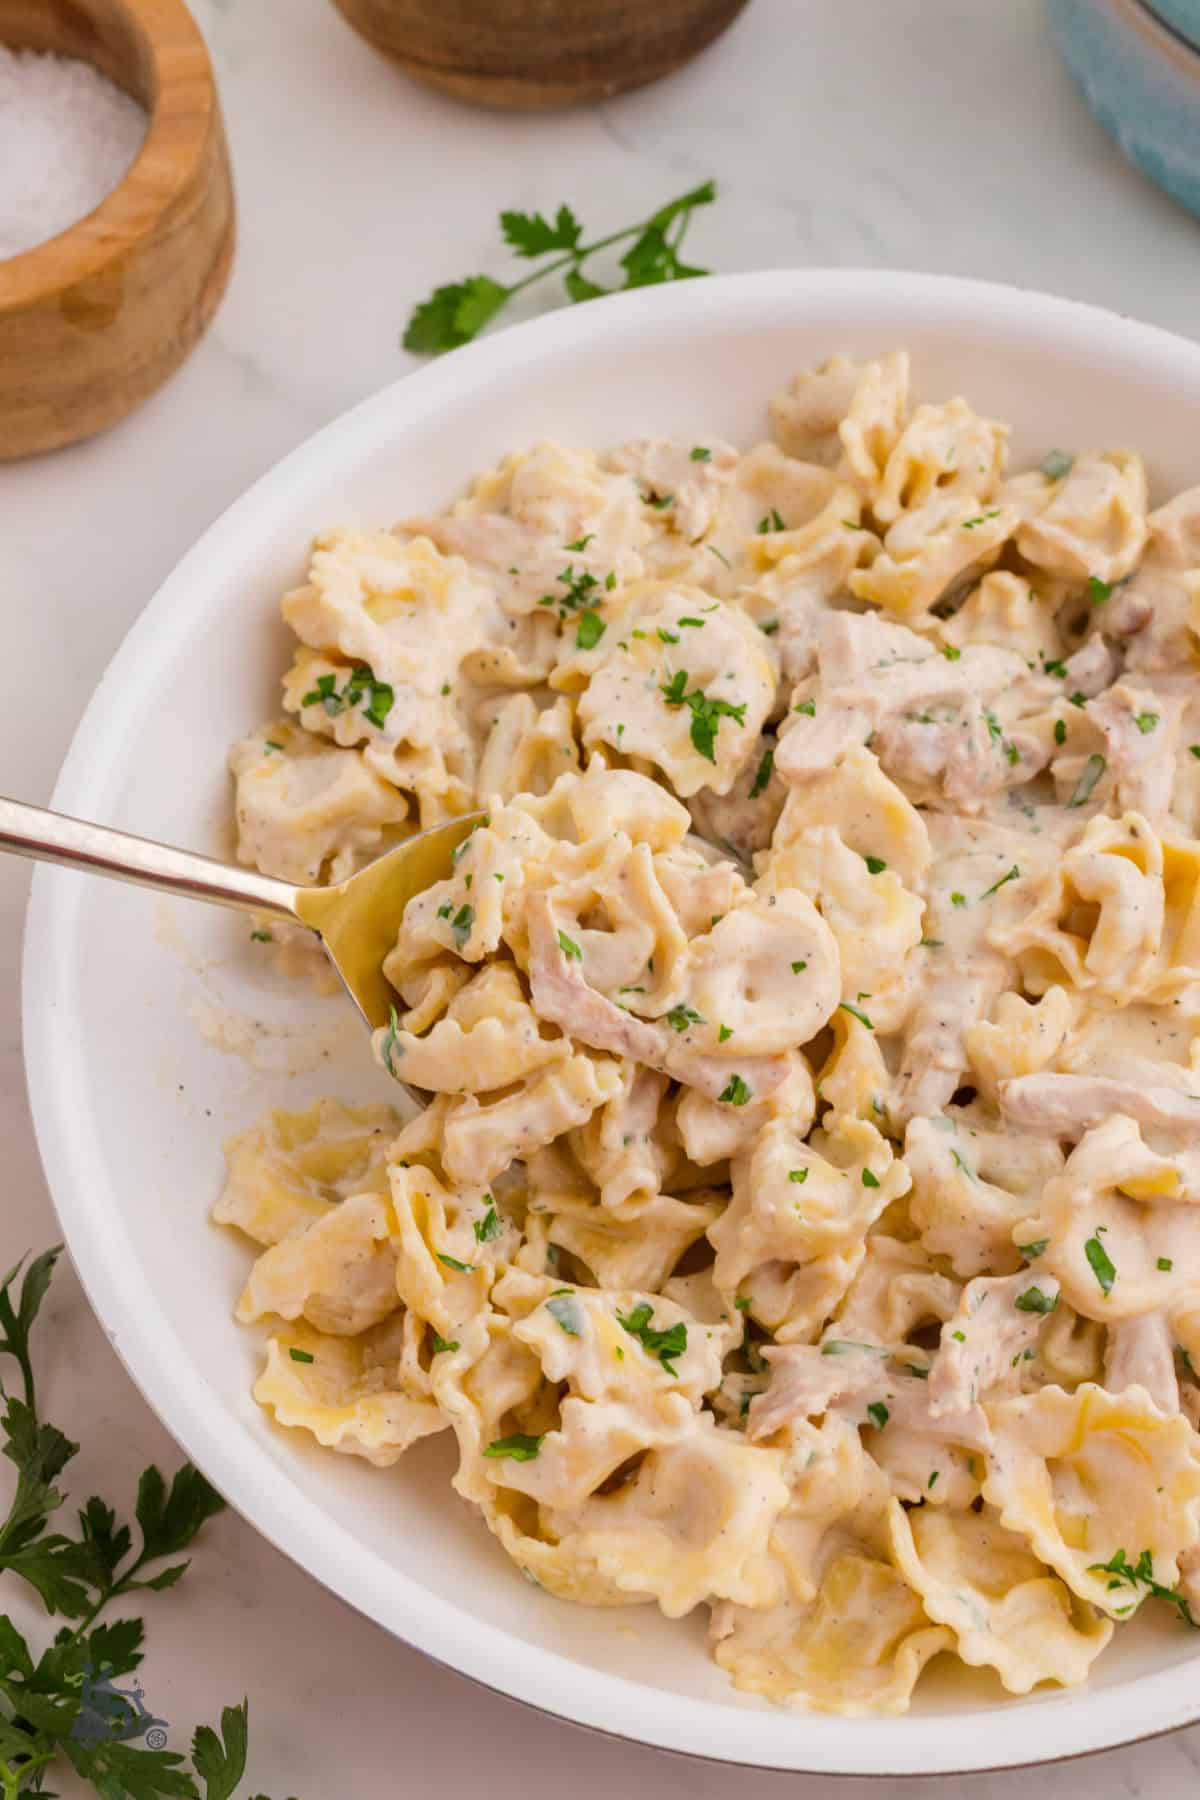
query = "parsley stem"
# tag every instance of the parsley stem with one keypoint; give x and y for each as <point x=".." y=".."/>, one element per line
<point x="577" y="257"/>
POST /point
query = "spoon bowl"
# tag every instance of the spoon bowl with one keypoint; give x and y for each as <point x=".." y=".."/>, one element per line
<point x="356" y="921"/>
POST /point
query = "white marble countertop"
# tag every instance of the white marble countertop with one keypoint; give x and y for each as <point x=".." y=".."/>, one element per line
<point x="931" y="134"/>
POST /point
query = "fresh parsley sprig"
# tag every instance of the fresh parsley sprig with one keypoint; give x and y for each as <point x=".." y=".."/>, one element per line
<point x="61" y="1706"/>
<point x="457" y="312"/>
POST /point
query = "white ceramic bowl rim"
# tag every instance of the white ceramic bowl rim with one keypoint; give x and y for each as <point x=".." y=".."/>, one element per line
<point x="132" y="1313"/>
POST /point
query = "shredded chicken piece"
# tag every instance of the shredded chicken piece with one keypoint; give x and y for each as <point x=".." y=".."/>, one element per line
<point x="1140" y="1353"/>
<point x="998" y="1320"/>
<point x="1069" y="1105"/>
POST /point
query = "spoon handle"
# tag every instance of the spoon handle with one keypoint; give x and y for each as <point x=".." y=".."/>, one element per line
<point x="52" y="837"/>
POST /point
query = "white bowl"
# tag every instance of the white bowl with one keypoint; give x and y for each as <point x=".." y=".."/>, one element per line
<point x="131" y="1102"/>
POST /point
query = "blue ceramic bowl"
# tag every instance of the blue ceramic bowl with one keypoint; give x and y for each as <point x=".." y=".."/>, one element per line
<point x="1182" y="16"/>
<point x="1141" y="81"/>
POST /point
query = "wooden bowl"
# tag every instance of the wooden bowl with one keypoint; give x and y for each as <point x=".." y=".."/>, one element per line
<point x="92" y="321"/>
<point x="533" y="55"/>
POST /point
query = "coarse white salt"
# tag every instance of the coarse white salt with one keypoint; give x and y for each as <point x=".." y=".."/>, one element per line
<point x="67" y="137"/>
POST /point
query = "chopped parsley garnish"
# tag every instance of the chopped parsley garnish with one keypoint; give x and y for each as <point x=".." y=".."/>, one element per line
<point x="1093" y="769"/>
<point x="723" y="1034"/>
<point x="736" y="1093"/>
<point x="763" y="775"/>
<point x="681" y="1016"/>
<point x="564" y="1309"/>
<point x="1098" y="591"/>
<point x="847" y="1347"/>
<point x="932" y="1478"/>
<point x="932" y="943"/>
<point x="695" y="624"/>
<point x="388" y="1045"/>
<point x="519" y="1446"/>
<point x="720" y="555"/>
<point x="799" y="1175"/>
<point x="1146" y="721"/>
<point x="770" y="522"/>
<point x="444" y="1346"/>
<point x="1077" y="698"/>
<point x="1033" y="1300"/>
<point x="700" y="453"/>
<point x="489" y="1227"/>
<point x="666" y="1345"/>
<point x="659" y="502"/>
<point x="856" y="1012"/>
<point x="261" y="937"/>
<point x="1194" y="750"/>
<point x="807" y="707"/>
<point x="951" y="652"/>
<point x="706" y="713"/>
<point x="1102" y="1265"/>
<point x="1030" y="1252"/>
<point x="668" y="637"/>
<point x="301" y="1356"/>
<point x="875" y="864"/>
<point x="798" y="968"/>
<point x="957" y="899"/>
<point x="1141" y="1573"/>
<point x="768" y="627"/>
<point x="461" y="924"/>
<point x="359" y="683"/>
<point x="960" y="1337"/>
<point x="878" y="1414"/>
<point x="579" y="591"/>
<point x="1014" y="874"/>
<point x="1057" y="464"/>
<point x="270" y="744"/>
<point x="1060" y="731"/>
<point x="742" y="1302"/>
<point x="869" y="1180"/>
<point x="570" y="949"/>
<point x="1166" y="1264"/>
<point x="589" y="631"/>
<point x="452" y="1262"/>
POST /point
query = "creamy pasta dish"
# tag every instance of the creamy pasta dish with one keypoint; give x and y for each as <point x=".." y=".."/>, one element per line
<point x="804" y="1220"/>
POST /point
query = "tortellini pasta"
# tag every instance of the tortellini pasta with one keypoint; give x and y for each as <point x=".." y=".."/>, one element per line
<point x="802" y="1220"/>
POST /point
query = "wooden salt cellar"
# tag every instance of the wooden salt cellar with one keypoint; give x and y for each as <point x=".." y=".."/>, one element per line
<point x="92" y="321"/>
<point x="534" y="55"/>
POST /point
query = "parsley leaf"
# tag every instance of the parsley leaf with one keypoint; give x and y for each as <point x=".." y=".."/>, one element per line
<point x="706" y="714"/>
<point x="490" y="1226"/>
<point x="569" y="948"/>
<point x="736" y="1093"/>
<point x="1102" y="1265"/>
<point x="763" y="775"/>
<point x="456" y="312"/>
<point x="519" y="1446"/>
<point x="220" y="1762"/>
<point x="681" y="1016"/>
<point x="1141" y="1573"/>
<point x="1033" y="1300"/>
<point x="566" y="1311"/>
<point x="665" y="1344"/>
<point x="1093" y="769"/>
<point x="589" y="631"/>
<point x="531" y="235"/>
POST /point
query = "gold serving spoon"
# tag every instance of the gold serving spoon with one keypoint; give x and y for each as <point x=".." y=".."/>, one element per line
<point x="356" y="921"/>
